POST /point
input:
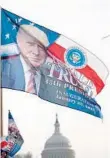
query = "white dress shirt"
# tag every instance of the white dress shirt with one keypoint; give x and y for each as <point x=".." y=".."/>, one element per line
<point x="27" y="75"/>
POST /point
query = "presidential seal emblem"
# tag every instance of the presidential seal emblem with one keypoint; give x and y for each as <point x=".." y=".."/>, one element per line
<point x="76" y="58"/>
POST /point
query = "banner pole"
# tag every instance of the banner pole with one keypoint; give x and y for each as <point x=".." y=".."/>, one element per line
<point x="1" y="101"/>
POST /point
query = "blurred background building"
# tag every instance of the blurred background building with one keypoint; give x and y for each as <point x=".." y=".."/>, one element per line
<point x="57" y="146"/>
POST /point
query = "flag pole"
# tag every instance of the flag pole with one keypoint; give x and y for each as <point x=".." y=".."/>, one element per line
<point x="1" y="101"/>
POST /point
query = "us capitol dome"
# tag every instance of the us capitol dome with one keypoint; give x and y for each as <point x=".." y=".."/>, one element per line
<point x="57" y="146"/>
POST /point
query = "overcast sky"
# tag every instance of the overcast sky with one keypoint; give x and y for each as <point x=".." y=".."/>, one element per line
<point x="85" y="21"/>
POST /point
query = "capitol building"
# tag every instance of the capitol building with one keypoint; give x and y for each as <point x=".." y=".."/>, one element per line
<point x="57" y="146"/>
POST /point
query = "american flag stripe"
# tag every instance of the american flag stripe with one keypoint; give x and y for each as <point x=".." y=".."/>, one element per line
<point x="95" y="70"/>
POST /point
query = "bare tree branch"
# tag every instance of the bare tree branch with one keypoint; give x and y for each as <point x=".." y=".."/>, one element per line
<point x="105" y="37"/>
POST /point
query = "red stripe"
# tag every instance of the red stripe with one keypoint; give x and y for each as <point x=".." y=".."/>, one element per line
<point x="92" y="75"/>
<point x="58" y="51"/>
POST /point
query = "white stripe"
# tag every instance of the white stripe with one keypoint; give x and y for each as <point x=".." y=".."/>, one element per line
<point x="96" y="64"/>
<point x="9" y="49"/>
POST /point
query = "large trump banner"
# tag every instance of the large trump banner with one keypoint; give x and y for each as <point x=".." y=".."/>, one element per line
<point x="43" y="62"/>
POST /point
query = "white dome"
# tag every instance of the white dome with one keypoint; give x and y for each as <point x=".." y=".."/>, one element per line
<point x="57" y="140"/>
<point x="57" y="146"/>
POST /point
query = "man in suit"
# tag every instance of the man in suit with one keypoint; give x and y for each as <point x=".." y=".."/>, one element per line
<point x="21" y="72"/>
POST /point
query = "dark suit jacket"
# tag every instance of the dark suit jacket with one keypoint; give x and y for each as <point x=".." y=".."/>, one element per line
<point x="13" y="74"/>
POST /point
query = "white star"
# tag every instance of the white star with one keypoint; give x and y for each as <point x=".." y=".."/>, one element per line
<point x="14" y="27"/>
<point x="8" y="19"/>
<point x="31" y="23"/>
<point x="7" y="36"/>
<point x="19" y="20"/>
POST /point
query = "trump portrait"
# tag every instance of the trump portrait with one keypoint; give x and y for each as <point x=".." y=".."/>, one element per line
<point x="22" y="71"/>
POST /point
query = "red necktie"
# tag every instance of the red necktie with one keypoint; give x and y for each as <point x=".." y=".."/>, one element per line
<point x="31" y="83"/>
